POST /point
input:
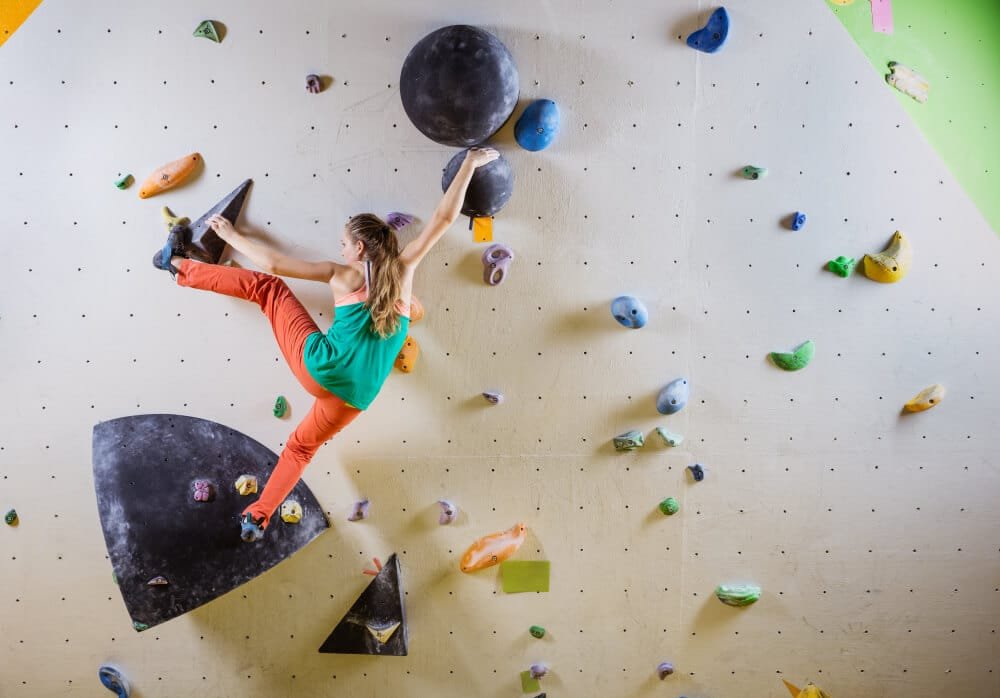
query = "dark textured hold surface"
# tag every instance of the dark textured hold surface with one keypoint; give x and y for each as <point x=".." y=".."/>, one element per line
<point x="458" y="85"/>
<point x="380" y="606"/>
<point x="490" y="188"/>
<point x="144" y="470"/>
<point x="203" y="237"/>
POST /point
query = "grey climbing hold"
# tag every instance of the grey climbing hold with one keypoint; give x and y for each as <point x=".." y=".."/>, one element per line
<point x="493" y="397"/>
<point x="697" y="472"/>
<point x="629" y="312"/>
<point x="673" y="397"/>
<point x="158" y="581"/>
<point x="664" y="670"/>
<point x="360" y="510"/>
<point x="669" y="437"/>
<point x="449" y="512"/>
<point x="629" y="441"/>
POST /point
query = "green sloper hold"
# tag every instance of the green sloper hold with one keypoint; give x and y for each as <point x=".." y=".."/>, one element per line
<point x="737" y="594"/>
<point x="629" y="441"/>
<point x="207" y="30"/>
<point x="670" y="506"/>
<point x="793" y="361"/>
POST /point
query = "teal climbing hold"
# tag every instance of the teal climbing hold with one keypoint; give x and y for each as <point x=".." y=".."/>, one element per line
<point x="753" y="172"/>
<point x="11" y="518"/>
<point x="124" y="182"/>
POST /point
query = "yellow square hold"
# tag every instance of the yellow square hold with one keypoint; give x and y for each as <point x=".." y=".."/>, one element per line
<point x="482" y="229"/>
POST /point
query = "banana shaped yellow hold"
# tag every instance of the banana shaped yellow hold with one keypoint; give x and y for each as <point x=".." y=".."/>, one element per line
<point x="925" y="399"/>
<point x="892" y="263"/>
<point x="810" y="691"/>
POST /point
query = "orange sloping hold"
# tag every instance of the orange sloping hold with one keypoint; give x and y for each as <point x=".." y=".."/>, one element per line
<point x="169" y="176"/>
<point x="12" y="15"/>
<point x="416" y="310"/>
<point x="494" y="548"/>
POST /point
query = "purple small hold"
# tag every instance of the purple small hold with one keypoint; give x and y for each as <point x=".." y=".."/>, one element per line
<point x="397" y="220"/>
<point x="449" y="512"/>
<point x="538" y="671"/>
<point x="664" y="669"/>
<point x="496" y="259"/>
<point x="493" y="397"/>
<point x="204" y="491"/>
<point x="313" y="84"/>
<point x="360" y="511"/>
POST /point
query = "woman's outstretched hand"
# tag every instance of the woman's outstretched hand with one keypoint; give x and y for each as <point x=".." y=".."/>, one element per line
<point x="477" y="157"/>
<point x="222" y="227"/>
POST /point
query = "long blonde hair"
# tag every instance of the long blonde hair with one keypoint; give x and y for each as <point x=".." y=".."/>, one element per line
<point x="382" y="250"/>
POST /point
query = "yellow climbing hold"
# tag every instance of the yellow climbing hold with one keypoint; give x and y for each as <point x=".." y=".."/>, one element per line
<point x="892" y="263"/>
<point x="291" y="511"/>
<point x="12" y="15"/>
<point x="925" y="399"/>
<point x="810" y="691"/>
<point x="246" y="485"/>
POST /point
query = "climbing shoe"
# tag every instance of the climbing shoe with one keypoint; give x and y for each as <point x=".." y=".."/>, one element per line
<point x="251" y="530"/>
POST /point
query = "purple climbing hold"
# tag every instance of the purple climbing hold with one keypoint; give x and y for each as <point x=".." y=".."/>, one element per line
<point x="360" y="511"/>
<point x="313" y="84"/>
<point x="449" y="512"/>
<point x="204" y="491"/>
<point x="397" y="220"/>
<point x="664" y="669"/>
<point x="493" y="397"/>
<point x="496" y="259"/>
<point x="697" y="472"/>
<point x="538" y="671"/>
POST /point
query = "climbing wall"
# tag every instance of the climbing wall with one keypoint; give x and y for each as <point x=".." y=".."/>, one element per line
<point x="873" y="535"/>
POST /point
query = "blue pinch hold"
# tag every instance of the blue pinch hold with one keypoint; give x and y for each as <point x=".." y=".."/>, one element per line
<point x="798" y="220"/>
<point x="712" y="36"/>
<point x="538" y="125"/>
<point x="629" y="312"/>
<point x="673" y="397"/>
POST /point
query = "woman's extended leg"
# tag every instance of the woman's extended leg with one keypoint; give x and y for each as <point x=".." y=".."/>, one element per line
<point x="290" y="321"/>
<point x="326" y="418"/>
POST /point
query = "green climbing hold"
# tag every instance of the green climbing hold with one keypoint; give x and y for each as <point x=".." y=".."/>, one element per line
<point x="629" y="441"/>
<point x="669" y="437"/>
<point x="280" y="406"/>
<point x="11" y="518"/>
<point x="124" y="182"/>
<point x="737" y="594"/>
<point x="139" y="626"/>
<point x="114" y="577"/>
<point x="841" y="266"/>
<point x="752" y="172"/>
<point x="537" y="631"/>
<point x="670" y="506"/>
<point x="207" y="30"/>
<point x="794" y="360"/>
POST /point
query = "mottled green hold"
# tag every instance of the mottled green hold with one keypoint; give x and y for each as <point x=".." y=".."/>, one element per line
<point x="114" y="577"/>
<point x="793" y="361"/>
<point x="139" y="626"/>
<point x="280" y="406"/>
<point x="207" y="30"/>
<point x="751" y="172"/>
<point x="537" y="631"/>
<point x="629" y="441"/>
<point x="842" y="266"/>
<point x="737" y="594"/>
<point x="669" y="437"/>
<point x="670" y="506"/>
<point x="124" y="182"/>
<point x="11" y="518"/>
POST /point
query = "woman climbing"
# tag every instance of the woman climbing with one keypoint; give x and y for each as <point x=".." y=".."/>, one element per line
<point x="345" y="368"/>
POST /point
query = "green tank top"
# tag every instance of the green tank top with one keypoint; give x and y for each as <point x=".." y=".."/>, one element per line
<point x="350" y="360"/>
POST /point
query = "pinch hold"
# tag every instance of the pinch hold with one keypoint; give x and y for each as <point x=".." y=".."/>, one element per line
<point x="669" y="437"/>
<point x="493" y="397"/>
<point x="737" y="594"/>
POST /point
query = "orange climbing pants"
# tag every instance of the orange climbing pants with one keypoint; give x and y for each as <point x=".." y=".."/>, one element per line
<point x="291" y="324"/>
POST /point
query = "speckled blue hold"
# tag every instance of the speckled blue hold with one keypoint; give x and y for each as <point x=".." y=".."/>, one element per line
<point x="674" y="397"/>
<point x="538" y="125"/>
<point x="798" y="220"/>
<point x="712" y="36"/>
<point x="697" y="472"/>
<point x="629" y="312"/>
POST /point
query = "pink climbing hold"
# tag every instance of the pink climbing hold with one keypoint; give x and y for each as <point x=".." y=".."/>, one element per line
<point x="204" y="491"/>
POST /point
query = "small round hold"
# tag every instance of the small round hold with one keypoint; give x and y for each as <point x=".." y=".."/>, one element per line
<point x="538" y="671"/>
<point x="158" y="581"/>
<point x="313" y="84"/>
<point x="360" y="510"/>
<point x="11" y="518"/>
<point x="664" y="669"/>
<point x="537" y="631"/>
<point x="798" y="220"/>
<point x="629" y="312"/>
<point x="670" y="506"/>
<point x="697" y="472"/>
<point x="493" y="397"/>
<point x="449" y="512"/>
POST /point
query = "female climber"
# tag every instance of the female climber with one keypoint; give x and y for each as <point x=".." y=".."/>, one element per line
<point x="344" y="368"/>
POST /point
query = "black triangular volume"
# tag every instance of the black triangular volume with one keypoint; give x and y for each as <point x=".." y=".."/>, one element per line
<point x="203" y="237"/>
<point x="378" y="612"/>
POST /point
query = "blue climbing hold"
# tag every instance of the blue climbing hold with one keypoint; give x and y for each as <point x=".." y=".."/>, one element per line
<point x="673" y="397"/>
<point x="629" y="311"/>
<point x="114" y="680"/>
<point x="712" y="36"/>
<point x="798" y="220"/>
<point x="538" y="125"/>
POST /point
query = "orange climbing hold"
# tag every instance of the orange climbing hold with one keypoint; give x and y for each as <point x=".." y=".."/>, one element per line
<point x="494" y="548"/>
<point x="12" y="15"/>
<point x="169" y="176"/>
<point x="407" y="357"/>
<point x="416" y="310"/>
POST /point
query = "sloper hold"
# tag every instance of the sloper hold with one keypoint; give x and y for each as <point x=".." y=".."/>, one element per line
<point x="538" y="125"/>
<point x="169" y="176"/>
<point x="630" y="312"/>
<point x="712" y="36"/>
<point x="737" y="594"/>
<point x="494" y="548"/>
<point x="794" y="360"/>
<point x="892" y="263"/>
<point x="925" y="399"/>
<point x="203" y="237"/>
<point x="908" y="81"/>
<point x="673" y="397"/>
<point x="197" y="547"/>
<point x="376" y="623"/>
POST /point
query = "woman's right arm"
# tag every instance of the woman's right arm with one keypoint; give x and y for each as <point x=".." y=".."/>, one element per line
<point x="449" y="208"/>
<point x="270" y="260"/>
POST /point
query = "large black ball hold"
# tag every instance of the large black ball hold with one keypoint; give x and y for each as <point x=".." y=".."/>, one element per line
<point x="459" y="85"/>
<point x="490" y="187"/>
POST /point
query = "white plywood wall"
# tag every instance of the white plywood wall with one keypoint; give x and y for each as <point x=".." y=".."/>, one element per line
<point x="874" y="536"/>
